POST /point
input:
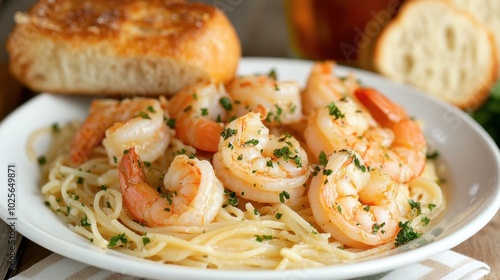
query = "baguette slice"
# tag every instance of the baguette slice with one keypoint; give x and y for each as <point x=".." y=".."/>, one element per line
<point x="121" y="47"/>
<point x="442" y="50"/>
<point x="486" y="11"/>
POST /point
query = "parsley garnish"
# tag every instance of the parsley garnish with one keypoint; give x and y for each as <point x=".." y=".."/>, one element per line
<point x="335" y="111"/>
<point x="284" y="195"/>
<point x="232" y="199"/>
<point x="119" y="237"/>
<point x="144" y="115"/>
<point x="433" y="155"/>
<point x="263" y="237"/>
<point x="84" y="222"/>
<point x="406" y="234"/>
<point x="55" y="128"/>
<point x="415" y="205"/>
<point x="226" y="103"/>
<point x="171" y="123"/>
<point x="252" y="142"/>
<point x="42" y="160"/>
<point x="358" y="164"/>
<point x="322" y="158"/>
<point x="228" y="132"/>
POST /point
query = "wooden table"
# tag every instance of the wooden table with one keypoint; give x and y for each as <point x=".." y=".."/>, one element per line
<point x="484" y="246"/>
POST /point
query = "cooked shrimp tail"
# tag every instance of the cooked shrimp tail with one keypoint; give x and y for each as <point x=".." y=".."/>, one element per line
<point x="409" y="145"/>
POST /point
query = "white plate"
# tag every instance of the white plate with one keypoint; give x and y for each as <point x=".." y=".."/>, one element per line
<point x="472" y="183"/>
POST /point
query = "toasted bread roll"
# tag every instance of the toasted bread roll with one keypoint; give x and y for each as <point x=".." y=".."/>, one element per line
<point x="440" y="49"/>
<point x="121" y="47"/>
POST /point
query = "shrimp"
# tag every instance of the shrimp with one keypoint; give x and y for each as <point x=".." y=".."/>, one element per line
<point x="259" y="166"/>
<point x="405" y="157"/>
<point x="281" y="99"/>
<point x="337" y="126"/>
<point x="194" y="195"/>
<point x="198" y="111"/>
<point x="354" y="203"/>
<point x="384" y="135"/>
<point x="323" y="87"/>
<point x="119" y="124"/>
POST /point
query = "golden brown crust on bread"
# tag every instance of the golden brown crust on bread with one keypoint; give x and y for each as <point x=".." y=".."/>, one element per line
<point x="195" y="39"/>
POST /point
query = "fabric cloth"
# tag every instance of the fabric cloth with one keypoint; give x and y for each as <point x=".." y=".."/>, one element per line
<point x="448" y="265"/>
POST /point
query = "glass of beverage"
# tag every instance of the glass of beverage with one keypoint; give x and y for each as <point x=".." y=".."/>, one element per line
<point x="337" y="29"/>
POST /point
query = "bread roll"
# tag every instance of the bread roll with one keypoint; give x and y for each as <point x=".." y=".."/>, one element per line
<point x="486" y="11"/>
<point x="121" y="47"/>
<point x="442" y="50"/>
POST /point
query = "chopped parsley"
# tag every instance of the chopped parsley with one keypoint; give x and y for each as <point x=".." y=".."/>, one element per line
<point x="358" y="164"/>
<point x="55" y="128"/>
<point x="284" y="195"/>
<point x="144" y="115"/>
<point x="119" y="237"/>
<point x="171" y="123"/>
<point x="84" y="222"/>
<point x="376" y="227"/>
<point x="272" y="74"/>
<point x="42" y="160"/>
<point x="322" y="158"/>
<point x="406" y="234"/>
<point x="253" y="142"/>
<point x="228" y="132"/>
<point x="334" y="111"/>
<point x="226" y="103"/>
<point x="232" y="199"/>
<point x="425" y="220"/>
<point x="263" y="237"/>
<point x="433" y="155"/>
<point x="415" y="206"/>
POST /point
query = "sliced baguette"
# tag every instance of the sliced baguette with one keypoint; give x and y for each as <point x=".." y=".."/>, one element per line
<point x="442" y="50"/>
<point x="486" y="11"/>
<point x="121" y="47"/>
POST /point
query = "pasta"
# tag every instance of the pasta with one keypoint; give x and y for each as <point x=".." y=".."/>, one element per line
<point x="244" y="234"/>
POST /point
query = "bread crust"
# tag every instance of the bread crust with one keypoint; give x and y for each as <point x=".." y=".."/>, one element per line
<point x="469" y="100"/>
<point x="161" y="46"/>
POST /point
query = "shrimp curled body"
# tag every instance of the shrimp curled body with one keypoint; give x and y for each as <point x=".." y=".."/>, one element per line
<point x="198" y="115"/>
<point x="118" y="125"/>
<point x="281" y="99"/>
<point x="259" y="166"/>
<point x="194" y="195"/>
<point x="379" y="130"/>
<point x="356" y="205"/>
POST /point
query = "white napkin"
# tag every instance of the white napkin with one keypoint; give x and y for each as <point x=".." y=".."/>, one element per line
<point x="448" y="265"/>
